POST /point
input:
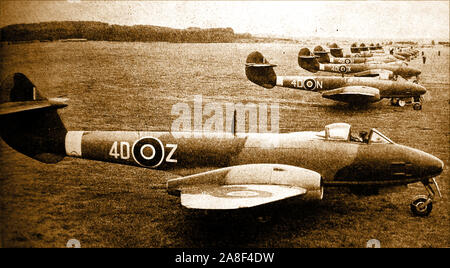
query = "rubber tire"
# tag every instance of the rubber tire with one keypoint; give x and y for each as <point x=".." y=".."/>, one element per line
<point x="421" y="213"/>
<point x="417" y="106"/>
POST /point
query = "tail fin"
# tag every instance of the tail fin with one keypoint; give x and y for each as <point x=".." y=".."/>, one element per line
<point x="30" y="122"/>
<point x="322" y="55"/>
<point x="260" y="71"/>
<point x="362" y="47"/>
<point x="354" y="48"/>
<point x="336" y="51"/>
<point x="307" y="61"/>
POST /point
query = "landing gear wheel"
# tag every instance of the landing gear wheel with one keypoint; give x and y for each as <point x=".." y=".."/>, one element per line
<point x="401" y="103"/>
<point x="421" y="206"/>
<point x="394" y="102"/>
<point x="417" y="106"/>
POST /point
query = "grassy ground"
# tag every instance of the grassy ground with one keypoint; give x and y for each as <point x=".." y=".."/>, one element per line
<point x="132" y="86"/>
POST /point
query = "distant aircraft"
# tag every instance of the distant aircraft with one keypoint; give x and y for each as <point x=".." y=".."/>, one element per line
<point x="376" y="48"/>
<point x="363" y="51"/>
<point x="323" y="57"/>
<point x="247" y="170"/>
<point x="385" y="71"/>
<point x="406" y="52"/>
<point x="353" y="90"/>
<point x="336" y="51"/>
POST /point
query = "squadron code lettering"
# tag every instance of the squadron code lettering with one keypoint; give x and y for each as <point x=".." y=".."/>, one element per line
<point x="238" y="257"/>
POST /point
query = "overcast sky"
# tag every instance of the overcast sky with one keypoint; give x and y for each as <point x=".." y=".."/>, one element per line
<point x="358" y="19"/>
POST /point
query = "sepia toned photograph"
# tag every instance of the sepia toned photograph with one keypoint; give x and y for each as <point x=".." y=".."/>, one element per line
<point x="236" y="125"/>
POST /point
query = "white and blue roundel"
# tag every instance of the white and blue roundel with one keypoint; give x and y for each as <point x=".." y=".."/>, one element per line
<point x="148" y="152"/>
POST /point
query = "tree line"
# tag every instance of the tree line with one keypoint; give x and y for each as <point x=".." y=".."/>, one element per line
<point x="99" y="31"/>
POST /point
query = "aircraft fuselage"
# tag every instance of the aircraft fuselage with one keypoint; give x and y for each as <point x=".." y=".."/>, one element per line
<point x="397" y="70"/>
<point x="387" y="88"/>
<point x="341" y="162"/>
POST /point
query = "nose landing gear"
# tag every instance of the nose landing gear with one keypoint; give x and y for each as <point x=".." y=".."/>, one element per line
<point x="401" y="102"/>
<point x="417" y="104"/>
<point x="423" y="205"/>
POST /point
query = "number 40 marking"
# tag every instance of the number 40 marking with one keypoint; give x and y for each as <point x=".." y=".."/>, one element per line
<point x="122" y="150"/>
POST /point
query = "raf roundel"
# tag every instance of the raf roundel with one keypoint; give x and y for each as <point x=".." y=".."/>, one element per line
<point x="310" y="84"/>
<point x="342" y="69"/>
<point x="239" y="192"/>
<point x="347" y="61"/>
<point x="148" y="152"/>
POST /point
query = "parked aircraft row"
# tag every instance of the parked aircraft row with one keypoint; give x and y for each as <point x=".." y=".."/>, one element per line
<point x="370" y="78"/>
<point x="246" y="170"/>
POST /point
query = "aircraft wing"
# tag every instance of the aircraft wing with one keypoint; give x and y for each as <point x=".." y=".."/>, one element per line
<point x="244" y="186"/>
<point x="353" y="94"/>
<point x="383" y="74"/>
<point x="261" y="65"/>
<point x="236" y="196"/>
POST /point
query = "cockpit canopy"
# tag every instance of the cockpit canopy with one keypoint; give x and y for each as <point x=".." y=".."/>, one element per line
<point x="337" y="131"/>
<point x="342" y="131"/>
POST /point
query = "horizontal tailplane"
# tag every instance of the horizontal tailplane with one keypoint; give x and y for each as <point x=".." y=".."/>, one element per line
<point x="30" y="122"/>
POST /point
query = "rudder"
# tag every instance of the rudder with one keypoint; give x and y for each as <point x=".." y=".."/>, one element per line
<point x="336" y="51"/>
<point x="30" y="122"/>
<point x="321" y="54"/>
<point x="260" y="71"/>
<point x="307" y="61"/>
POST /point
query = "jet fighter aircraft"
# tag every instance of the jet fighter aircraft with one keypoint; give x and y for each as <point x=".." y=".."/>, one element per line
<point x="376" y="48"/>
<point x="407" y="53"/>
<point x="323" y="57"/>
<point x="247" y="170"/>
<point x="337" y="52"/>
<point x="386" y="71"/>
<point x="360" y="51"/>
<point x="357" y="51"/>
<point x="352" y="90"/>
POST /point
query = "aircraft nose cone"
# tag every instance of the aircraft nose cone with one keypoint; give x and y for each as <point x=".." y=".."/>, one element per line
<point x="434" y="165"/>
<point x="430" y="165"/>
<point x="420" y="90"/>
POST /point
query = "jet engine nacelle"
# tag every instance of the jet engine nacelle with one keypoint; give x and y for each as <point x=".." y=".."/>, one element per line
<point x="278" y="175"/>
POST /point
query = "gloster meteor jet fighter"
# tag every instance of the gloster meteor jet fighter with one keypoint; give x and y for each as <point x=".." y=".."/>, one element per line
<point x="376" y="48"/>
<point x="407" y="53"/>
<point x="352" y="90"/>
<point x="324" y="57"/>
<point x="360" y="51"/>
<point x="309" y="62"/>
<point x="337" y="51"/>
<point x="246" y="170"/>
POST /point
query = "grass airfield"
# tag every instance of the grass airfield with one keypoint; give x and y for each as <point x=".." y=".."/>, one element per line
<point x="133" y="86"/>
